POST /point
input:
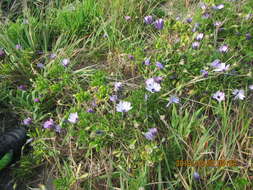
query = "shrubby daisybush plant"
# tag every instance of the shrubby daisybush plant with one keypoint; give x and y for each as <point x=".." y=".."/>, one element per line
<point x="183" y="94"/>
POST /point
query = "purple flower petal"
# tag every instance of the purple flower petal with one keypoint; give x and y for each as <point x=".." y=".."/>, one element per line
<point x="27" y="121"/>
<point x="2" y="53"/>
<point x="22" y="87"/>
<point x="159" y="65"/>
<point x="148" y="19"/>
<point x="151" y="134"/>
<point x="147" y="62"/>
<point x="189" y="20"/>
<point x="65" y="62"/>
<point x="223" y="49"/>
<point x="204" y="73"/>
<point x="131" y="57"/>
<point x="90" y="110"/>
<point x="18" y="47"/>
<point x="48" y="124"/>
<point x="58" y="129"/>
<point x="159" y="24"/>
<point x="36" y="100"/>
<point x="127" y="18"/>
<point x="195" y="45"/>
<point x="40" y="65"/>
<point x="73" y="118"/>
<point x="196" y="176"/>
<point x="113" y="98"/>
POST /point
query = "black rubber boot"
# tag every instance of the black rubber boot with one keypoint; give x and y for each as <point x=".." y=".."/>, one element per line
<point x="13" y="140"/>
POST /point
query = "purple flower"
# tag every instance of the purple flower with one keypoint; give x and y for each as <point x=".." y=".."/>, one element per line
<point x="57" y="129"/>
<point x="131" y="57"/>
<point x="123" y="106"/>
<point x="73" y="118"/>
<point x="148" y="19"/>
<point x="40" y="65"/>
<point x="217" y="23"/>
<point x="48" y="124"/>
<point x="90" y="110"/>
<point x="251" y="87"/>
<point x="248" y="36"/>
<point x="189" y="20"/>
<point x="52" y="56"/>
<point x="218" y="7"/>
<point x="18" y="47"/>
<point x="206" y="15"/>
<point x="223" y="49"/>
<point x="221" y="67"/>
<point x="127" y="18"/>
<point x="200" y="36"/>
<point x="36" y="100"/>
<point x="147" y="62"/>
<point x="27" y="121"/>
<point x="65" y="62"/>
<point x="195" y="45"/>
<point x="117" y="86"/>
<point x="173" y="100"/>
<point x="94" y="103"/>
<point x="2" y="53"/>
<point x="196" y="176"/>
<point x="22" y="87"/>
<point x="239" y="94"/>
<point x="159" y="65"/>
<point x="215" y="63"/>
<point x="159" y="24"/>
<point x="151" y="134"/>
<point x="219" y="96"/>
<point x="204" y="73"/>
<point x="113" y="98"/>
<point x="152" y="85"/>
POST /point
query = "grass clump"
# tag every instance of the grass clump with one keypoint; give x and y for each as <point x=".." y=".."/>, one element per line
<point x="120" y="93"/>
